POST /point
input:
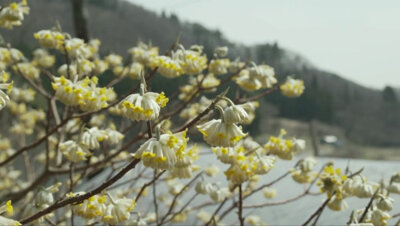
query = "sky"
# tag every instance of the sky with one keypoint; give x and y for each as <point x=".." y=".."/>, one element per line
<point x="357" y="39"/>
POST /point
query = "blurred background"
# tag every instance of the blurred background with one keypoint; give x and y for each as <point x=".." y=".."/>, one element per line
<point x="345" y="51"/>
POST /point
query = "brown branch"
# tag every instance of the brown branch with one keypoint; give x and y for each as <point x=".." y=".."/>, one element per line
<point x="240" y="206"/>
<point x="148" y="184"/>
<point x="320" y="209"/>
<point x="177" y="195"/>
<point x="80" y="198"/>
<point x="34" y="144"/>
<point x="368" y="206"/>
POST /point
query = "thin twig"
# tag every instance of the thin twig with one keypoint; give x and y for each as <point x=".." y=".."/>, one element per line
<point x="80" y="198"/>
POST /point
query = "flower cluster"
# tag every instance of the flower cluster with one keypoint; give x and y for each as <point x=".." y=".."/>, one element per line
<point x="331" y="182"/>
<point x="105" y="208"/>
<point x="256" y="77"/>
<point x="143" y="106"/>
<point x="224" y="132"/>
<point x="304" y="173"/>
<point x="9" y="210"/>
<point x="161" y="152"/>
<point x="13" y="14"/>
<point x="83" y="92"/>
<point x="292" y="87"/>
<point x="89" y="140"/>
<point x="284" y="148"/>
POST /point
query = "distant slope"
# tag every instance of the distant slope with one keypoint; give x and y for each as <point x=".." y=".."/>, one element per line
<point x="360" y="111"/>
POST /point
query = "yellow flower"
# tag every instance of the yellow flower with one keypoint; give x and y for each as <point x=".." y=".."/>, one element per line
<point x="145" y="106"/>
<point x="144" y="54"/>
<point x="50" y="39"/>
<point x="118" y="211"/>
<point x="191" y="61"/>
<point x="161" y="152"/>
<point x="218" y="133"/>
<point x="292" y="87"/>
<point x="13" y="14"/>
<point x="284" y="148"/>
<point x="90" y="208"/>
<point x="74" y="152"/>
<point x="167" y="66"/>
<point x="219" y="66"/>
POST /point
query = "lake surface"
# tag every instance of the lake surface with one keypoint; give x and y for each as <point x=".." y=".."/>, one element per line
<point x="293" y="213"/>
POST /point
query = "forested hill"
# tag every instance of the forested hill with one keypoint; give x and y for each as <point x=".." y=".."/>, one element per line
<point x="368" y="116"/>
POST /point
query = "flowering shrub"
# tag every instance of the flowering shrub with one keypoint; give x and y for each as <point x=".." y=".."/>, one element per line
<point x="73" y="133"/>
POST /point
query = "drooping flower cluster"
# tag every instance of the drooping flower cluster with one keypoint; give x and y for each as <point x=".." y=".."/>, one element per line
<point x="256" y="77"/>
<point x="82" y="92"/>
<point x="284" y="148"/>
<point x="89" y="140"/>
<point x="9" y="210"/>
<point x="13" y="14"/>
<point x="105" y="208"/>
<point x="224" y="132"/>
<point x="292" y="87"/>
<point x="161" y="152"/>
<point x="143" y="106"/>
<point x="185" y="158"/>
<point x="331" y="182"/>
<point x="304" y="173"/>
<point x="4" y="99"/>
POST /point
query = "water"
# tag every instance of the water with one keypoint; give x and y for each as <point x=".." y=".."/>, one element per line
<point x="293" y="213"/>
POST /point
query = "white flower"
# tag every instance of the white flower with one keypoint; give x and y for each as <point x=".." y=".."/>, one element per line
<point x="76" y="47"/>
<point x="113" y="60"/>
<point x="218" y="133"/>
<point x="118" y="211"/>
<point x="74" y="152"/>
<point x="235" y="114"/>
<point x="203" y="187"/>
<point x="191" y="61"/>
<point x="143" y="53"/>
<point x="221" y="51"/>
<point x="269" y="193"/>
<point x="143" y="107"/>
<point x="168" y="67"/>
<point x="91" y="137"/>
<point x="264" y="74"/>
<point x="379" y="217"/>
<point x="264" y="164"/>
<point x="160" y="153"/>
<point x="203" y="216"/>
<point x="13" y="14"/>
<point x="219" y="66"/>
<point x="4" y="99"/>
<point x="63" y="70"/>
<point x="246" y="82"/>
<point x="337" y="204"/>
<point x="44" y="198"/>
<point x="253" y="220"/>
<point x="385" y="203"/>
<point x="113" y="136"/>
<point x="292" y="87"/>
<point x="90" y="208"/>
<point x="185" y="157"/>
<point x="394" y="187"/>
<point x="50" y="39"/>
<point x="359" y="186"/>
<point x="8" y="222"/>
<point x="284" y="148"/>
<point x="307" y="164"/>
<point x="219" y="194"/>
<point x="211" y="171"/>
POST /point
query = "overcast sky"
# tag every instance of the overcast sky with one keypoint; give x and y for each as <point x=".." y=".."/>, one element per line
<point x="358" y="39"/>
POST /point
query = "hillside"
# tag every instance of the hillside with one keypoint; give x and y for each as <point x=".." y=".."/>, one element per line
<point x="361" y="112"/>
